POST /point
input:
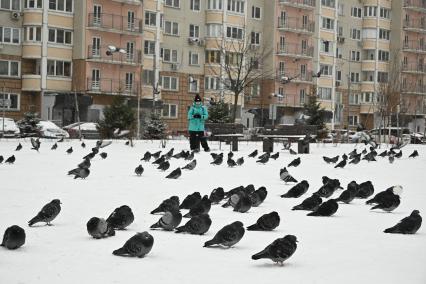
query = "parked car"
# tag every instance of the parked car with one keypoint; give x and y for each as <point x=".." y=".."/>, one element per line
<point x="89" y="130"/>
<point x="48" y="129"/>
<point x="11" y="129"/>
<point x="389" y="134"/>
<point x="417" y="138"/>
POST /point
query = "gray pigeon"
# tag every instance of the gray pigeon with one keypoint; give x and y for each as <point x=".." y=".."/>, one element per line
<point x="54" y="146"/>
<point x="294" y="163"/>
<point x="217" y="195"/>
<point x="175" y="174"/>
<point x="286" y="177"/>
<point x="35" y="143"/>
<point x="13" y="238"/>
<point x="164" y="166"/>
<point x="139" y="245"/>
<point x="292" y="152"/>
<point x="280" y="249"/>
<point x="297" y="190"/>
<point x="266" y="222"/>
<point x="197" y="225"/>
<point x="139" y="170"/>
<point x="240" y="161"/>
<point x="408" y="225"/>
<point x="257" y="197"/>
<point x="82" y="173"/>
<point x="85" y="164"/>
<point x="169" y="204"/>
<point x="190" y="166"/>
<point x="228" y="236"/>
<point x="98" y="228"/>
<point x="327" y="208"/>
<point x="275" y="156"/>
<point x="169" y="221"/>
<point x="121" y="217"/>
<point x="310" y="204"/>
<point x="103" y="155"/>
<point x="146" y="156"/>
<point x="70" y="150"/>
<point x="19" y="147"/>
<point x="366" y="189"/>
<point x="202" y="207"/>
<point x="48" y="213"/>
<point x="190" y="200"/>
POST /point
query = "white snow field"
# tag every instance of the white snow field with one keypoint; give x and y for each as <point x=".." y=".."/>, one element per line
<point x="349" y="247"/>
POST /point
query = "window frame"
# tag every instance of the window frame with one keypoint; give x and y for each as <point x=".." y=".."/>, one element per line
<point x="56" y="30"/>
<point x="9" y="69"/>
<point x="8" y="95"/>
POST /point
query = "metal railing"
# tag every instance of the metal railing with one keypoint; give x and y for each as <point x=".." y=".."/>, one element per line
<point x="115" y="22"/>
<point x="99" y="53"/>
<point x="290" y="100"/>
<point x="294" y="49"/>
<point x="295" y="73"/>
<point x="112" y="86"/>
<point x="296" y="24"/>
<point x="299" y="3"/>
<point x="413" y="67"/>
<point x="414" y="45"/>
<point x="419" y="4"/>
<point x="415" y="24"/>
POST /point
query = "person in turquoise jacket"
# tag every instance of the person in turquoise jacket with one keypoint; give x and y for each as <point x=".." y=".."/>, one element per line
<point x="197" y="115"/>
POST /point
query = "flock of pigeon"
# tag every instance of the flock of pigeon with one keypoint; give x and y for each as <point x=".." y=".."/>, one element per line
<point x="241" y="199"/>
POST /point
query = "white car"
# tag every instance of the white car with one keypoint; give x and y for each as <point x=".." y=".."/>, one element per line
<point x="10" y="128"/>
<point x="48" y="129"/>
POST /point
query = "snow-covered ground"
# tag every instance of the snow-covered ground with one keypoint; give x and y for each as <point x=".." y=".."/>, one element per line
<point x="349" y="247"/>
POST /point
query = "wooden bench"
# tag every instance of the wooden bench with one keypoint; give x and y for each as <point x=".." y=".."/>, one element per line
<point x="268" y="140"/>
<point x="231" y="138"/>
<point x="226" y="132"/>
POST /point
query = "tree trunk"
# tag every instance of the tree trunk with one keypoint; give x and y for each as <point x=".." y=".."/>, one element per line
<point x="234" y="107"/>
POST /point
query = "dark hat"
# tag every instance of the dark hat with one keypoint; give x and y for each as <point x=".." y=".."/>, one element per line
<point x="197" y="98"/>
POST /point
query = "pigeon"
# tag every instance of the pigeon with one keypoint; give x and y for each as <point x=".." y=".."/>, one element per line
<point x="414" y="154"/>
<point x="286" y="177"/>
<point x="292" y="152"/>
<point x="275" y="156"/>
<point x="48" y="213"/>
<point x="146" y="156"/>
<point x="388" y="202"/>
<point x="266" y="222"/>
<point x="331" y="160"/>
<point x="365" y="190"/>
<point x="384" y="153"/>
<point x="355" y="160"/>
<point x="349" y="194"/>
<point x="197" y="225"/>
<point x="352" y="153"/>
<point x="10" y="160"/>
<point x="139" y="170"/>
<point x="190" y="201"/>
<point x="85" y="164"/>
<point x="234" y="191"/>
<point x="1" y="159"/>
<point x="90" y="156"/>
<point x="127" y="143"/>
<point x="217" y="195"/>
<point x="215" y="156"/>
<point x="330" y="186"/>
<point x="311" y="203"/>
<point x="286" y="145"/>
<point x="170" y="153"/>
<point x="228" y="236"/>
<point x="297" y="190"/>
<point x="263" y="159"/>
<point x="202" y="207"/>
<point x="294" y="163"/>
<point x="179" y="155"/>
<point x="408" y="225"/>
<point x="169" y="221"/>
<point x="344" y="157"/>
<point x="70" y="150"/>
<point x="156" y="155"/>
<point x="191" y="165"/>
<point x="231" y="163"/>
<point x="327" y="208"/>
<point x="264" y="155"/>
<point x="279" y="250"/>
<point x="399" y="154"/>
<point x="98" y="228"/>
<point x="137" y="246"/>
<point x="81" y="173"/>
<point x="341" y="164"/>
<point x="369" y="157"/>
<point x="95" y="150"/>
<point x="391" y="158"/>
<point x="364" y="151"/>
<point x="258" y="196"/>
<point x="230" y="155"/>
<point x="171" y="204"/>
<point x="159" y="160"/>
<point x="249" y="189"/>
<point x="253" y="154"/>
<point x="382" y="196"/>
<point x="218" y="161"/>
<point x="121" y="217"/>
<point x="241" y="202"/>
<point x="83" y="145"/>
<point x="175" y="174"/>
<point x="103" y="155"/>
<point x="35" y="143"/>
<point x="13" y="238"/>
<point x="19" y="147"/>
<point x="240" y="161"/>
<point x="190" y="156"/>
<point x="164" y="166"/>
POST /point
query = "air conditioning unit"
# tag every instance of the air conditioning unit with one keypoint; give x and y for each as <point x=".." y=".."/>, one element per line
<point x="193" y="40"/>
<point x="174" y="67"/>
<point x="15" y="15"/>
<point x="341" y="39"/>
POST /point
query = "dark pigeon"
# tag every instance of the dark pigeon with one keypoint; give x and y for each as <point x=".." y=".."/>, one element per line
<point x="240" y="161"/>
<point x="137" y="246"/>
<point x="190" y="201"/>
<point x="365" y="190"/>
<point x="121" y="217"/>
<point x="170" y="204"/>
<point x="197" y="225"/>
<point x="383" y="195"/>
<point x="98" y="228"/>
<point x="408" y="225"/>
<point x="310" y="204"/>
<point x="54" y="146"/>
<point x="231" y="163"/>
<point x="253" y="154"/>
<point x="202" y="207"/>
<point x="258" y="196"/>
<point x="326" y="209"/>
<point x="10" y="160"/>
<point x="146" y="156"/>
<point x="414" y="154"/>
<point x="349" y="194"/>
<point x="275" y="156"/>
<point x="218" y="161"/>
<point x="164" y="166"/>
<point x="297" y="190"/>
<point x="19" y="147"/>
<point x="35" y="143"/>
<point x="103" y="155"/>
<point x="217" y="195"/>
<point x="175" y="174"/>
<point x="81" y="173"/>
<point x="294" y="163"/>
<point x="13" y="238"/>
<point x="191" y="165"/>
<point x="169" y="221"/>
<point x="279" y="250"/>
<point x="341" y="164"/>
<point x="70" y="150"/>
<point x="228" y="236"/>
<point x="266" y="222"/>
<point x="48" y="213"/>
<point x="139" y="170"/>
<point x="331" y="160"/>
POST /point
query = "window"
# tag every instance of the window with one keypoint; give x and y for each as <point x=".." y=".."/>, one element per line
<point x="327" y="23"/>
<point x="212" y="56"/>
<point x="233" y="58"/>
<point x="355" y="55"/>
<point x="383" y="55"/>
<point x="194" y="85"/>
<point x="10" y="35"/>
<point x="356" y="34"/>
<point x="370" y="11"/>
<point x="255" y="38"/>
<point x="149" y="47"/>
<point x="14" y="101"/>
<point x="233" y="32"/>
<point x="255" y="90"/>
<point x="60" y="36"/>
<point x="214" y="4"/>
<point x="354" y="77"/>
<point x="211" y="83"/>
<point x="214" y="30"/>
<point x="34" y="4"/>
<point x="9" y="68"/>
<point x="169" y="55"/>
<point x="195" y="5"/>
<point x="302" y="95"/>
<point x="33" y="34"/>
<point x="10" y="5"/>
<point x="382" y="77"/>
<point x="236" y="6"/>
<point x="96" y="46"/>
<point x="338" y="75"/>
<point x="384" y="13"/>
<point x="172" y="3"/>
<point x="354" y="99"/>
<point x="129" y="81"/>
<point x="326" y="46"/>
<point x="169" y="83"/>
<point x="193" y="58"/>
<point x="131" y="20"/>
<point x="255" y="12"/>
<point x="171" y="28"/>
<point x="150" y="18"/>
<point x="61" y="5"/>
<point x="327" y="70"/>
<point x="194" y="30"/>
<point x="281" y="68"/>
<point x="353" y="120"/>
<point x="328" y="3"/>
<point x="58" y="68"/>
<point x="384" y="34"/>
<point x="324" y="94"/>
<point x="367" y="97"/>
<point x="356" y="12"/>
<point x="169" y="111"/>
<point x="96" y="75"/>
<point x="130" y="51"/>
<point x="148" y="77"/>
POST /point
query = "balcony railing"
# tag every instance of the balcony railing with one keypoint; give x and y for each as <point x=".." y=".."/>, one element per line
<point x="308" y="4"/>
<point x="296" y="75"/>
<point x="115" y="22"/>
<point x="99" y="53"/>
<point x="415" y="68"/>
<point x="413" y="45"/>
<point x="414" y="4"/>
<point x="415" y="24"/>
<point x="112" y="86"/>
<point x="296" y="24"/>
<point x="413" y="89"/>
<point x="297" y="50"/>
<point x="290" y="100"/>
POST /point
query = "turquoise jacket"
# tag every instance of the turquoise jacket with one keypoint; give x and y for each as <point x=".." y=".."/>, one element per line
<point x="197" y="124"/>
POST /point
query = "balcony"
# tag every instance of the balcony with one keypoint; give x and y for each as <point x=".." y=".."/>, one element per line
<point x="301" y="4"/>
<point x="115" y="23"/>
<point x="415" y="26"/>
<point x="417" y="5"/>
<point x="295" y="50"/>
<point x="112" y="87"/>
<point x="299" y="78"/>
<point x="296" y="25"/>
<point x="414" y="46"/>
<point x="414" y="89"/>
<point x="130" y="2"/>
<point x="98" y="54"/>
<point x="289" y="100"/>
<point x="414" y="68"/>
<point x="31" y="82"/>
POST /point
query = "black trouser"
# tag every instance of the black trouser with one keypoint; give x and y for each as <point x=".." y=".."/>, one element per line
<point x="195" y="137"/>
